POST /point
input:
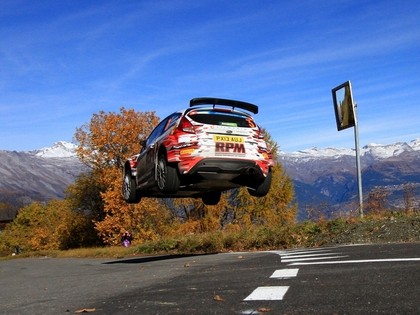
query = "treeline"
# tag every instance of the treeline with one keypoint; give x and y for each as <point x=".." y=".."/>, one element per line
<point x="94" y="213"/>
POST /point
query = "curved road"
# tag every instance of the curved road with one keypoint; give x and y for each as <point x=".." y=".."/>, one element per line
<point x="357" y="279"/>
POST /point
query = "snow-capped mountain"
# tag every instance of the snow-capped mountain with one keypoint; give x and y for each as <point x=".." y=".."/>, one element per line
<point x="38" y="175"/>
<point x="61" y="149"/>
<point x="373" y="150"/>
<point x="328" y="176"/>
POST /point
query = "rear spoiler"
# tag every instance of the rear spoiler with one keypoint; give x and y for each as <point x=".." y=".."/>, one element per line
<point x="220" y="101"/>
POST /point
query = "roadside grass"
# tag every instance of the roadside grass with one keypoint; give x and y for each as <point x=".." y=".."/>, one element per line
<point x="95" y="252"/>
<point x="386" y="228"/>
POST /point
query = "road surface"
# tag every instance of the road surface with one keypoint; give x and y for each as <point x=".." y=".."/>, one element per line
<point x="357" y="279"/>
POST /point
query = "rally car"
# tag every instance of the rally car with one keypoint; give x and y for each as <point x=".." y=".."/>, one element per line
<point x="210" y="147"/>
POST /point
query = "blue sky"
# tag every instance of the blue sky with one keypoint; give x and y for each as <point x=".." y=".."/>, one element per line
<point x="63" y="61"/>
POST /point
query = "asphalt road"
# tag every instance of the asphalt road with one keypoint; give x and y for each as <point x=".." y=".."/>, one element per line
<point x="358" y="279"/>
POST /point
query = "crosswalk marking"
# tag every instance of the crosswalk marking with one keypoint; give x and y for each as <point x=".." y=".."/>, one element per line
<point x="356" y="261"/>
<point x="298" y="255"/>
<point x="285" y="273"/>
<point x="300" y="251"/>
<point x="289" y="260"/>
<point x="274" y="293"/>
<point x="292" y="257"/>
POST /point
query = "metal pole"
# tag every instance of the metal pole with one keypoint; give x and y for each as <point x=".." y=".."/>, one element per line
<point x="358" y="166"/>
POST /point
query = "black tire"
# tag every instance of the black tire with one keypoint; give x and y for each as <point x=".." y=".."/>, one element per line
<point x="263" y="188"/>
<point x="211" y="198"/>
<point x="167" y="176"/>
<point x="130" y="193"/>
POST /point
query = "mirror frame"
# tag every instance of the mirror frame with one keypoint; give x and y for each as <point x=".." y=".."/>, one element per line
<point x="344" y="106"/>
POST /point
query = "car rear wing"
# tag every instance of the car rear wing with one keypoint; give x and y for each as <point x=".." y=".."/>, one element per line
<point x="220" y="101"/>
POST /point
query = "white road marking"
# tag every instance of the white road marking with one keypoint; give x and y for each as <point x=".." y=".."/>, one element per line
<point x="310" y="258"/>
<point x="299" y="251"/>
<point x="275" y="293"/>
<point x="305" y="255"/>
<point x="361" y="261"/>
<point x="285" y="273"/>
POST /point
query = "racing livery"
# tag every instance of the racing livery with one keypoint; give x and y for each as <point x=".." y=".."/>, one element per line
<point x="199" y="152"/>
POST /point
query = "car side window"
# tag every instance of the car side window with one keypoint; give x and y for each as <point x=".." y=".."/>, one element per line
<point x="172" y="120"/>
<point x="162" y="127"/>
<point x="156" y="132"/>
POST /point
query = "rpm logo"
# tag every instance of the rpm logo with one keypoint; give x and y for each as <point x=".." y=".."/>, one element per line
<point x="229" y="147"/>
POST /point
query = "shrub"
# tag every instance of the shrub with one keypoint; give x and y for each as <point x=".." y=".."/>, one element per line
<point x="48" y="226"/>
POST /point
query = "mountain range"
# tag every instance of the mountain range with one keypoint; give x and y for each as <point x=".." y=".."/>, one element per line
<point x="323" y="178"/>
<point x="327" y="178"/>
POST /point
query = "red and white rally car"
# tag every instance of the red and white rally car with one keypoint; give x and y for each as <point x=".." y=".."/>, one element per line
<point x="199" y="152"/>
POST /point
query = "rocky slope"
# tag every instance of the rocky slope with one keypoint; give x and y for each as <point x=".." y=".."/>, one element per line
<point x="38" y="175"/>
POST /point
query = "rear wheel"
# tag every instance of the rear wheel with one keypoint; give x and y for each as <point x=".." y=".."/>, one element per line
<point x="211" y="198"/>
<point x="167" y="176"/>
<point x="130" y="193"/>
<point x="263" y="188"/>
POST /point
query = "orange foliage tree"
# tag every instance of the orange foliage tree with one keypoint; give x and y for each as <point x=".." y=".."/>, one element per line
<point x="147" y="220"/>
<point x="41" y="226"/>
<point x="196" y="217"/>
<point x="103" y="145"/>
<point x="277" y="207"/>
<point x="105" y="141"/>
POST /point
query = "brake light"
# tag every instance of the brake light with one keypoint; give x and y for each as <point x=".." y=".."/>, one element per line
<point x="186" y="126"/>
<point x="133" y="161"/>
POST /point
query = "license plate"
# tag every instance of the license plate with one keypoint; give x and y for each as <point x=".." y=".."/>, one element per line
<point x="223" y="138"/>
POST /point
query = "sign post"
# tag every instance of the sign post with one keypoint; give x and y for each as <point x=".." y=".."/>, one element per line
<point x="346" y="117"/>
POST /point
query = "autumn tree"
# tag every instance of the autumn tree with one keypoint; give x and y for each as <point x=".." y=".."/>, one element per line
<point x="196" y="217"/>
<point x="84" y="196"/>
<point x="40" y="226"/>
<point x="146" y="221"/>
<point x="377" y="201"/>
<point x="277" y="207"/>
<point x="107" y="139"/>
<point x="103" y="145"/>
<point x="409" y="197"/>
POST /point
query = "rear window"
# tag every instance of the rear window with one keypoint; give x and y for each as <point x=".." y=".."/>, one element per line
<point x="221" y="118"/>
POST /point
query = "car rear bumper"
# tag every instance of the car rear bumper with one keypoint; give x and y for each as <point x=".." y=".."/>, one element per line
<point x="228" y="166"/>
<point x="226" y="172"/>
